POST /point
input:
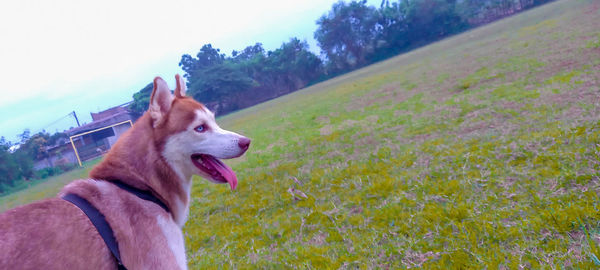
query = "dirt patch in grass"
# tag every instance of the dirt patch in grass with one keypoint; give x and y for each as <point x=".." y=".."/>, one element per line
<point x="327" y="130"/>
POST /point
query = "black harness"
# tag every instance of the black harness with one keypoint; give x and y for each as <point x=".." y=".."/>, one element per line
<point x="99" y="221"/>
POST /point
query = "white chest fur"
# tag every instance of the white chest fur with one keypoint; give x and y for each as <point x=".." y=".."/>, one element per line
<point x="174" y="237"/>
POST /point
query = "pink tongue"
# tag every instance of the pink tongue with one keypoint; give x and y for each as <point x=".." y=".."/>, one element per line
<point x="224" y="170"/>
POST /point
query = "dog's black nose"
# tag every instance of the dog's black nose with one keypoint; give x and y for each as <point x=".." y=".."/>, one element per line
<point x="244" y="143"/>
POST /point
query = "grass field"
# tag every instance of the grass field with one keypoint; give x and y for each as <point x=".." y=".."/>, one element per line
<point x="479" y="151"/>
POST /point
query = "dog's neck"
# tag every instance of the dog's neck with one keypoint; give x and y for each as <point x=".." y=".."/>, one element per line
<point x="136" y="160"/>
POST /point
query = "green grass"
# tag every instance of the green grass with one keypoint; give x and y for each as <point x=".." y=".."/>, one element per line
<point x="479" y="151"/>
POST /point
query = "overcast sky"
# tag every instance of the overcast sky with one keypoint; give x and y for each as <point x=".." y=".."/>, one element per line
<point x="86" y="56"/>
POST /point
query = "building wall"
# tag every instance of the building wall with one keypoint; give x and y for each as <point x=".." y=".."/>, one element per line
<point x="66" y="156"/>
<point x="119" y="130"/>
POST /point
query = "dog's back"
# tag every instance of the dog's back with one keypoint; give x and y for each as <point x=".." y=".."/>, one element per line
<point x="39" y="235"/>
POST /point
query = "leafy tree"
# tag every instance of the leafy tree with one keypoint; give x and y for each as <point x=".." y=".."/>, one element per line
<point x="24" y="136"/>
<point x="294" y="64"/>
<point x="206" y="57"/>
<point x="347" y="34"/>
<point x="249" y="53"/>
<point x="393" y="35"/>
<point x="219" y="84"/>
<point x="430" y="20"/>
<point x="9" y="169"/>
<point x="227" y="83"/>
<point x="141" y="100"/>
<point x="56" y="138"/>
<point x="24" y="158"/>
<point x="17" y="165"/>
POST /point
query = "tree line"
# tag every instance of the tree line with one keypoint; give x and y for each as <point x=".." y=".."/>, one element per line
<point x="17" y="163"/>
<point x="244" y="78"/>
<point x="350" y="35"/>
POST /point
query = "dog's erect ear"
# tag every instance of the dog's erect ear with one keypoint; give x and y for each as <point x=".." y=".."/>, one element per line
<point x="180" y="88"/>
<point x="160" y="101"/>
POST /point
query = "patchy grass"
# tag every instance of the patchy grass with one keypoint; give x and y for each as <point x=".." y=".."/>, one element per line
<point x="479" y="151"/>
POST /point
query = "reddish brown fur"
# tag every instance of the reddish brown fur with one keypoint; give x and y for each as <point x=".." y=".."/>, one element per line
<point x="35" y="235"/>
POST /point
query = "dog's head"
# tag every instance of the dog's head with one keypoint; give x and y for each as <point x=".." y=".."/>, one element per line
<point x="189" y="138"/>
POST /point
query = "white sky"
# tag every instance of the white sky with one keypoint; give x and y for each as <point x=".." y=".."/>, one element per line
<point x="86" y="56"/>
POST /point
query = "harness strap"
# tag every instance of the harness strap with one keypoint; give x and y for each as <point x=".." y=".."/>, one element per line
<point x="100" y="223"/>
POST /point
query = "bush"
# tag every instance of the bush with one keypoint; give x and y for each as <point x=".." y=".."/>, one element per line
<point x="47" y="172"/>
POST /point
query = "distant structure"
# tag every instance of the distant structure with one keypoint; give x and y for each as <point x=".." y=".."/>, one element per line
<point x="90" y="140"/>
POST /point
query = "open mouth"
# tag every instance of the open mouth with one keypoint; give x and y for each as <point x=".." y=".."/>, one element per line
<point x="215" y="169"/>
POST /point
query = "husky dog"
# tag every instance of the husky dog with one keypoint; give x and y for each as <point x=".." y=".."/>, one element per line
<point x="129" y="213"/>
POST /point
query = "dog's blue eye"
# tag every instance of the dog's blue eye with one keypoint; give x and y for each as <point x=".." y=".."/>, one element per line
<point x="200" y="128"/>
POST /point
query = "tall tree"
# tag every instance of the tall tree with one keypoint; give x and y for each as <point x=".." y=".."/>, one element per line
<point x="393" y="35"/>
<point x="141" y="101"/>
<point x="250" y="75"/>
<point x="206" y="57"/>
<point x="9" y="169"/>
<point x="294" y="64"/>
<point x="430" y="20"/>
<point x="347" y="34"/>
<point x="219" y="84"/>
